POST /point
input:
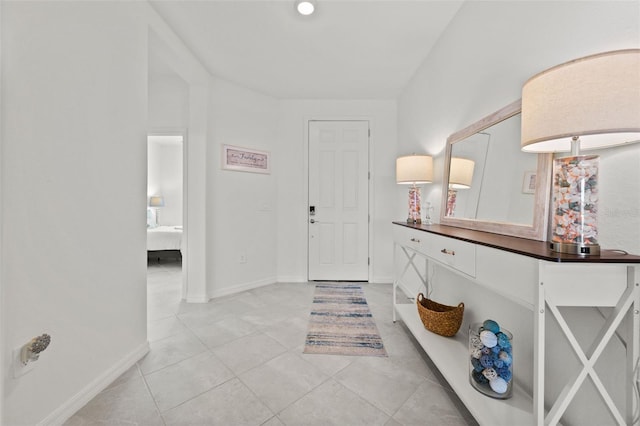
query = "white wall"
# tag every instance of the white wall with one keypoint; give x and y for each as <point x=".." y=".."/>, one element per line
<point x="74" y="134"/>
<point x="478" y="66"/>
<point x="168" y="101"/>
<point x="242" y="207"/>
<point x="291" y="162"/>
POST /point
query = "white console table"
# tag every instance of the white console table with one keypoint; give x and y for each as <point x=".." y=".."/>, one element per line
<point x="530" y="274"/>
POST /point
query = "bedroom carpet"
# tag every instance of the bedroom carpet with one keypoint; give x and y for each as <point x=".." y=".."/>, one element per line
<point x="341" y="323"/>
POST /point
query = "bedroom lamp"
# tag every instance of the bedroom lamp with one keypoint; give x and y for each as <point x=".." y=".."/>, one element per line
<point x="460" y="177"/>
<point x="588" y="103"/>
<point x="414" y="170"/>
<point x="305" y="7"/>
<point x="156" y="201"/>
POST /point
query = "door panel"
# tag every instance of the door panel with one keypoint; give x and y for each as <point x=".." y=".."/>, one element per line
<point x="339" y="191"/>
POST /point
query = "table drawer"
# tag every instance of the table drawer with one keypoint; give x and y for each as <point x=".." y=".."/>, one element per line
<point x="457" y="254"/>
<point x="406" y="237"/>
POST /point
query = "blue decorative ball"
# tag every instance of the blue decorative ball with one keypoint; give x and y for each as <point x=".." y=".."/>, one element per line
<point x="505" y="373"/>
<point x="505" y="357"/>
<point x="477" y="366"/>
<point x="479" y="378"/>
<point x="486" y="351"/>
<point x="488" y="338"/>
<point x="491" y="325"/>
<point x="498" y="385"/>
<point x="503" y="341"/>
<point x="486" y="361"/>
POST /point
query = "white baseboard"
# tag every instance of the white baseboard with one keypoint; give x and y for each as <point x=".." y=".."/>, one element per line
<point x="299" y="279"/>
<point x="242" y="287"/>
<point x="381" y="280"/>
<point x="292" y="279"/>
<point x="198" y="299"/>
<point x="79" y="400"/>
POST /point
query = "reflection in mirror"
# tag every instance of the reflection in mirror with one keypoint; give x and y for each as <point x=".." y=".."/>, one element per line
<point x="502" y="198"/>
<point x="499" y="192"/>
<point x="465" y="176"/>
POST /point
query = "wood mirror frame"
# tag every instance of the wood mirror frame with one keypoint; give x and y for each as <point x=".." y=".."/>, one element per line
<point x="535" y="231"/>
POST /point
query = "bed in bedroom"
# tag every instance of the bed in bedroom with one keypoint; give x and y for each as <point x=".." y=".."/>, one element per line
<point x="164" y="242"/>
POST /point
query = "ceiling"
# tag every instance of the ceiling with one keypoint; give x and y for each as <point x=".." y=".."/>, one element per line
<point x="348" y="49"/>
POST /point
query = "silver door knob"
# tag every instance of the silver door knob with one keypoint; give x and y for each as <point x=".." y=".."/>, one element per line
<point x="312" y="221"/>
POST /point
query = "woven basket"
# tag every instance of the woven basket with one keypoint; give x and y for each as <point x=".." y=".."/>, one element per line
<point x="440" y="319"/>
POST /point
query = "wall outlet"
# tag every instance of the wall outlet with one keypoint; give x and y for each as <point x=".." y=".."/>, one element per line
<point x="242" y="257"/>
<point x="20" y="369"/>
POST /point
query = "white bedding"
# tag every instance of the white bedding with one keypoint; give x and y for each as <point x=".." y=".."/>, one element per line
<point x="164" y="238"/>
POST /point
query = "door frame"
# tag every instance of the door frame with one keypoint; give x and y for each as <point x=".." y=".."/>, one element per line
<point x="370" y="185"/>
<point x="185" y="196"/>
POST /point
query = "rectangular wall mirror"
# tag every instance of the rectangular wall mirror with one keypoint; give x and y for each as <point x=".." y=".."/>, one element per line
<point x="490" y="184"/>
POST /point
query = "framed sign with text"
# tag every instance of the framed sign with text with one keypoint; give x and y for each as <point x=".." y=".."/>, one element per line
<point x="245" y="160"/>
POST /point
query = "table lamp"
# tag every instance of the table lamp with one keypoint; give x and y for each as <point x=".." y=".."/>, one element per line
<point x="414" y="170"/>
<point x="588" y="103"/>
<point x="156" y="201"/>
<point x="460" y="177"/>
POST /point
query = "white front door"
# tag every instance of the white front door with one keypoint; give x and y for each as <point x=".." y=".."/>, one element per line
<point x="338" y="211"/>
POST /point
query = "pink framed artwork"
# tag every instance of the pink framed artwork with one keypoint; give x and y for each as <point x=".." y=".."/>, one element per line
<point x="245" y="159"/>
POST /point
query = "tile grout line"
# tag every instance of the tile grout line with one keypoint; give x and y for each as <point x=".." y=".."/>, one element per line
<point x="374" y="292"/>
<point x="144" y="379"/>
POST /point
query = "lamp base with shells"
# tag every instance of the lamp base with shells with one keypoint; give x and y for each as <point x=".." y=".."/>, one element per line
<point x="575" y="205"/>
<point x="414" y="205"/>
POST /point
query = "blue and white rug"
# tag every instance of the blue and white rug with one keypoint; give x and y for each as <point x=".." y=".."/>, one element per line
<point x="341" y="323"/>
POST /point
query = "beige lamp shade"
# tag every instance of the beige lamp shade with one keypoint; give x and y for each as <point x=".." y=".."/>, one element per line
<point x="414" y="169"/>
<point x="595" y="98"/>
<point x="156" y="201"/>
<point x="461" y="173"/>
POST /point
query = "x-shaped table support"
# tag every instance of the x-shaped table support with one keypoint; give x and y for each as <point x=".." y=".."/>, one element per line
<point x="625" y="305"/>
<point x="410" y="256"/>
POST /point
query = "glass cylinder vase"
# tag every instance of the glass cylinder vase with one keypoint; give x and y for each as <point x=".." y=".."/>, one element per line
<point x="491" y="360"/>
<point x="414" y="205"/>
<point x="575" y="205"/>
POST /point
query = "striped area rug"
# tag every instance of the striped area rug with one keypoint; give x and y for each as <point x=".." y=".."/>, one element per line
<point x="341" y="323"/>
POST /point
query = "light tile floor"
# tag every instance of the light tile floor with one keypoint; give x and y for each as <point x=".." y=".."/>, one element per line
<point x="238" y="360"/>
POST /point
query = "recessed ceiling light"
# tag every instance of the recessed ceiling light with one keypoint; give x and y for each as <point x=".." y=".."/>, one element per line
<point x="305" y="7"/>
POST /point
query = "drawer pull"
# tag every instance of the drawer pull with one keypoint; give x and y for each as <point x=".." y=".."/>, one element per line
<point x="415" y="240"/>
<point x="445" y="251"/>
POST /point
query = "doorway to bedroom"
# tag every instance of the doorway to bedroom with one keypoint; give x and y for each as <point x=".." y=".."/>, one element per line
<point x="165" y="213"/>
